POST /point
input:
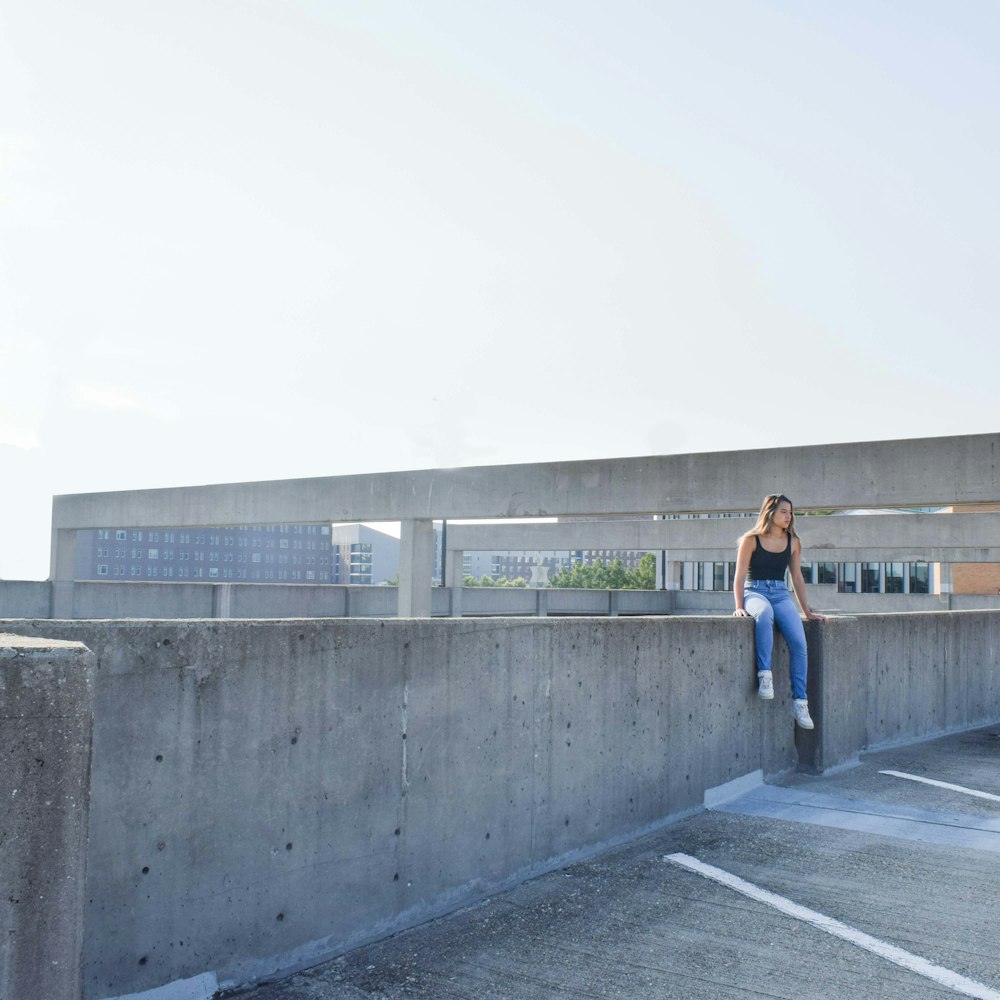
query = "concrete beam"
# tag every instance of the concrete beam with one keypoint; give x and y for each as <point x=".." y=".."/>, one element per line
<point x="874" y="538"/>
<point x="916" y="472"/>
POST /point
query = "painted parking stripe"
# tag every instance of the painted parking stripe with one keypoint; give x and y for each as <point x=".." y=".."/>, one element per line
<point x="944" y="784"/>
<point x="905" y="959"/>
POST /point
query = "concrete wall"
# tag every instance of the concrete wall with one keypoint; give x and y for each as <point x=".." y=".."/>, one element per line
<point x="46" y="708"/>
<point x="269" y="794"/>
<point x="99" y="599"/>
<point x="25" y="598"/>
<point x="883" y="679"/>
<point x="266" y="795"/>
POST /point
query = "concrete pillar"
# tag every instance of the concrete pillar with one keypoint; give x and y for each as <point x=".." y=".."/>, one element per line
<point x="47" y="707"/>
<point x="416" y="567"/>
<point x="62" y="569"/>
<point x="944" y="578"/>
<point x="673" y="575"/>
<point x="542" y="603"/>
<point x="222" y="600"/>
<point x="613" y="598"/>
<point x="453" y="574"/>
<point x="455" y="602"/>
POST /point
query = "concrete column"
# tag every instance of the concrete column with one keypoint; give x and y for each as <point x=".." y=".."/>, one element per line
<point x="673" y="575"/>
<point x="62" y="569"/>
<point x="453" y="574"/>
<point x="542" y="602"/>
<point x="613" y="597"/>
<point x="47" y="707"/>
<point x="455" y="602"/>
<point x="416" y="567"/>
<point x="222" y="600"/>
<point x="944" y="578"/>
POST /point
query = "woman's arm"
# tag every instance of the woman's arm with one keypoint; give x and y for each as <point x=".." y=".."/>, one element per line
<point x="742" y="565"/>
<point x="799" y="585"/>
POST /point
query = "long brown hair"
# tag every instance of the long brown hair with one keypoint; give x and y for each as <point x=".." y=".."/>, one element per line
<point x="765" y="519"/>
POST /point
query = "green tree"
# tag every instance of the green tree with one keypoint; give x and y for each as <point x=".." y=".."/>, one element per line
<point x="614" y="576"/>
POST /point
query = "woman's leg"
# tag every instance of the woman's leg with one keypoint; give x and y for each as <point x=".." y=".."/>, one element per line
<point x="759" y="608"/>
<point x="789" y="622"/>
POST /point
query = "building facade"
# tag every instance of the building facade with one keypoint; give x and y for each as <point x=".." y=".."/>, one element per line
<point x="273" y="553"/>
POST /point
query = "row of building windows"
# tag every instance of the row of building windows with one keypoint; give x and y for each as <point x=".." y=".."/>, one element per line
<point x="850" y="578"/>
<point x="138" y="535"/>
<point x="168" y="555"/>
<point x="200" y="573"/>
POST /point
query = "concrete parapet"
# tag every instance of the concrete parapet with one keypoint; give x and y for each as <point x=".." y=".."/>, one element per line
<point x="25" y="599"/>
<point x="268" y="794"/>
<point x="877" y="680"/>
<point x="46" y="707"/>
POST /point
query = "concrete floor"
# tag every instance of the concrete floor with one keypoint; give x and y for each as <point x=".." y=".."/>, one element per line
<point x="913" y="865"/>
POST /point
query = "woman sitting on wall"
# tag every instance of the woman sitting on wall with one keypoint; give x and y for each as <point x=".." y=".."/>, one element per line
<point x="769" y="549"/>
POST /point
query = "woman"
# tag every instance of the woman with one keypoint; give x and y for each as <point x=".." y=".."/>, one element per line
<point x="766" y="551"/>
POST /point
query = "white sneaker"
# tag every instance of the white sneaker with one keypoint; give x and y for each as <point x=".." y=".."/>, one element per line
<point x="800" y="710"/>
<point x="765" y="682"/>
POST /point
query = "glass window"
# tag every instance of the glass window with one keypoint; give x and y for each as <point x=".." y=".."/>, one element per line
<point x="826" y="572"/>
<point x="718" y="576"/>
<point x="894" y="578"/>
<point x="807" y="571"/>
<point x="154" y="553"/>
<point x="102" y="570"/>
<point x="121" y="536"/>
<point x="920" y="578"/>
<point x="870" y="578"/>
<point x="848" y="578"/>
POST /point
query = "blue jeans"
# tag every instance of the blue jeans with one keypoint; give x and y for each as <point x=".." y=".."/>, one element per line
<point x="770" y="603"/>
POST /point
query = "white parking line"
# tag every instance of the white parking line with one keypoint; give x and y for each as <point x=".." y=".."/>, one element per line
<point x="944" y="784"/>
<point x="939" y="974"/>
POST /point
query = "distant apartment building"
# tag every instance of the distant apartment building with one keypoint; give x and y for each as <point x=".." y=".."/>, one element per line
<point x="273" y="553"/>
<point x="364" y="555"/>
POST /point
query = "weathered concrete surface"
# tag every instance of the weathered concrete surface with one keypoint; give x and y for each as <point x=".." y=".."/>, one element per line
<point x="892" y="678"/>
<point x="46" y="710"/>
<point x="913" y="472"/>
<point x="627" y="924"/>
<point x="268" y="794"/>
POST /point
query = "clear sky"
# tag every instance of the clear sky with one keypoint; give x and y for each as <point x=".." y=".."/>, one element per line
<point x="251" y="239"/>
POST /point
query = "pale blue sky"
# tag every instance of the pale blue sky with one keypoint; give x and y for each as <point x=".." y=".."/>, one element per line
<point x="252" y="240"/>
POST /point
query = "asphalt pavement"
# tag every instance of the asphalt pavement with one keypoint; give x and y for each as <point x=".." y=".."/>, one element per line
<point x="856" y="884"/>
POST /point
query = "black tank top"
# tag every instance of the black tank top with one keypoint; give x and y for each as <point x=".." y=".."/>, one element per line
<point x="766" y="565"/>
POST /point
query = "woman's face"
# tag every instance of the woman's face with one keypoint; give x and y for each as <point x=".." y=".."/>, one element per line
<point x="783" y="515"/>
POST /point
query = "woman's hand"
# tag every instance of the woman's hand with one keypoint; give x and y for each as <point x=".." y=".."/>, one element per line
<point x="741" y="613"/>
<point x="811" y="616"/>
